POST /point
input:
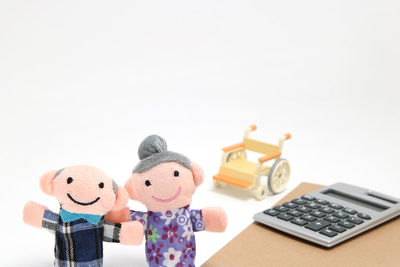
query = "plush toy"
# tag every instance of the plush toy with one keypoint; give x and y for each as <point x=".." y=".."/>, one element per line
<point x="85" y="194"/>
<point x="164" y="182"/>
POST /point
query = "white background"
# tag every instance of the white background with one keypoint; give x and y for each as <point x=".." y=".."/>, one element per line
<point x="86" y="81"/>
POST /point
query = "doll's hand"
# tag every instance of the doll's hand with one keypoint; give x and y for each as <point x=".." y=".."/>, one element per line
<point x="215" y="219"/>
<point x="118" y="216"/>
<point x="131" y="233"/>
<point x="33" y="214"/>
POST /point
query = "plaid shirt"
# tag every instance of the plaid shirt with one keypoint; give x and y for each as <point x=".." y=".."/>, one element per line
<point x="79" y="243"/>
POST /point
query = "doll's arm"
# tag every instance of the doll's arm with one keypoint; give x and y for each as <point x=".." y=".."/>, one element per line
<point x="119" y="216"/>
<point x="129" y="233"/>
<point x="40" y="216"/>
<point x="126" y="215"/>
<point x="215" y="219"/>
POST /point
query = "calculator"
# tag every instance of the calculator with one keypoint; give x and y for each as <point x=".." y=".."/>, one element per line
<point x="331" y="215"/>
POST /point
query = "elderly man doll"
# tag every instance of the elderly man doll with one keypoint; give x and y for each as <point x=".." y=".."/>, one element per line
<point x="85" y="194"/>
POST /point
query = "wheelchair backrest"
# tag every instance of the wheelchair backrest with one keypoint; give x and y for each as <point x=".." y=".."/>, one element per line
<point x="260" y="147"/>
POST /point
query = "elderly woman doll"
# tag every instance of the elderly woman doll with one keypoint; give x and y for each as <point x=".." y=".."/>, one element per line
<point x="164" y="181"/>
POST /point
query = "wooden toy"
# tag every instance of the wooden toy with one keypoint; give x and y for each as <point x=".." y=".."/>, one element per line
<point x="237" y="171"/>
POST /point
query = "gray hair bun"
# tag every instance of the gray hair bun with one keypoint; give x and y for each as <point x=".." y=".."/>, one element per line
<point x="153" y="151"/>
<point x="151" y="145"/>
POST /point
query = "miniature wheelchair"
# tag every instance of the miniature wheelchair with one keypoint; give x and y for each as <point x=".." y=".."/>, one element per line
<point x="237" y="171"/>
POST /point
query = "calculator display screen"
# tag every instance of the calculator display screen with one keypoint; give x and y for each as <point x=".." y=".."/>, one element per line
<point x="354" y="200"/>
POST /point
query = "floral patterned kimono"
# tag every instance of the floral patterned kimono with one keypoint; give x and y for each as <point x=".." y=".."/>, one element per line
<point x="170" y="235"/>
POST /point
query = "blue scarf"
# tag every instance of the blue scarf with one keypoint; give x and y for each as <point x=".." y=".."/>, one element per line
<point x="67" y="216"/>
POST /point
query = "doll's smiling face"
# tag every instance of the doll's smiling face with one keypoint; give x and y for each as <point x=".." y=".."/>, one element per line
<point x="84" y="189"/>
<point x="166" y="186"/>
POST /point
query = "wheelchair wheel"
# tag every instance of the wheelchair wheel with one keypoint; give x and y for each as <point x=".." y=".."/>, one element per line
<point x="278" y="176"/>
<point x="260" y="192"/>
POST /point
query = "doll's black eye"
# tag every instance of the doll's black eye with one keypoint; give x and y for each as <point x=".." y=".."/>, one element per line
<point x="147" y="183"/>
<point x="69" y="180"/>
<point x="176" y="173"/>
<point x="101" y="185"/>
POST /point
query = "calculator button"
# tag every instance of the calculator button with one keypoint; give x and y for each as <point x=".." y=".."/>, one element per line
<point x="304" y="209"/>
<point x="271" y="212"/>
<point x="308" y="217"/>
<point x="317" y="225"/>
<point x="337" y="228"/>
<point x="364" y="216"/>
<point x="326" y="210"/>
<point x="328" y="232"/>
<point x="331" y="219"/>
<point x="295" y="213"/>
<point x="321" y="201"/>
<point x="340" y="215"/>
<point x="284" y="217"/>
<point x="290" y="205"/>
<point x="299" y="201"/>
<point x="299" y="221"/>
<point x="312" y="205"/>
<point x="335" y="206"/>
<point x="355" y="220"/>
<point x="318" y="214"/>
<point x="281" y="208"/>
<point x="346" y="224"/>
<point x="308" y="197"/>
<point x="349" y="211"/>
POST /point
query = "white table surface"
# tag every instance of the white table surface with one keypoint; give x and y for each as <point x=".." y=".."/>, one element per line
<point x="85" y="82"/>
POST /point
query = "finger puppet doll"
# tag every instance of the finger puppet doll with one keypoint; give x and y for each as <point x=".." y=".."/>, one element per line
<point x="164" y="181"/>
<point x="85" y="194"/>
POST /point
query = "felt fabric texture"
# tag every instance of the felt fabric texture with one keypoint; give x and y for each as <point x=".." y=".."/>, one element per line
<point x="131" y="233"/>
<point x="78" y="190"/>
<point x="80" y="243"/>
<point x="84" y="189"/>
<point x="121" y="198"/>
<point x="115" y="187"/>
<point x="121" y="215"/>
<point x="166" y="191"/>
<point x="153" y="151"/>
<point x="85" y="194"/>
<point x="215" y="219"/>
<point x="46" y="182"/>
<point x="114" y="184"/>
<point x="33" y="214"/>
<point x="166" y="188"/>
<point x="152" y="144"/>
<point x="198" y="173"/>
<point x="169" y="235"/>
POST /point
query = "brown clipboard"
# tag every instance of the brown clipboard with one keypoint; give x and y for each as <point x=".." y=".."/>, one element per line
<point x="259" y="245"/>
